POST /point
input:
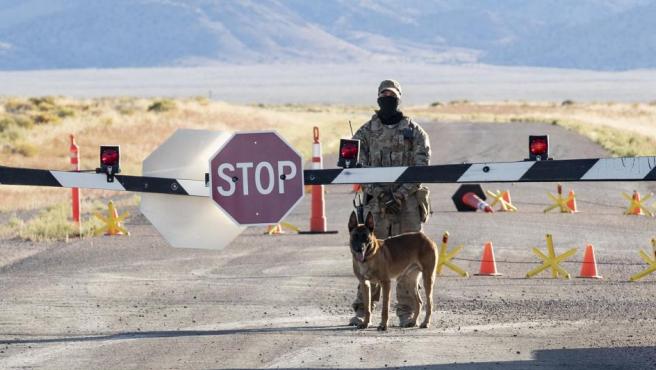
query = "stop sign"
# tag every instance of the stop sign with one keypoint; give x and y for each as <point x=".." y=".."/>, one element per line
<point x="257" y="178"/>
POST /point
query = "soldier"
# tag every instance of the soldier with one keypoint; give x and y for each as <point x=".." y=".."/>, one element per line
<point x="388" y="139"/>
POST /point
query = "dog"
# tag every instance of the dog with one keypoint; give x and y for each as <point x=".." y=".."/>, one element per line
<point x="380" y="261"/>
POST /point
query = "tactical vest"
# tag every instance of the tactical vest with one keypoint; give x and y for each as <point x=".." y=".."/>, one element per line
<point x="391" y="146"/>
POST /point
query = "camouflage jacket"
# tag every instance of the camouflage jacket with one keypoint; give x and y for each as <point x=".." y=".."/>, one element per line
<point x="403" y="144"/>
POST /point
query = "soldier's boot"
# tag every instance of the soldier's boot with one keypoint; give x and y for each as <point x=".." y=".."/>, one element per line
<point x="408" y="298"/>
<point x="358" y="305"/>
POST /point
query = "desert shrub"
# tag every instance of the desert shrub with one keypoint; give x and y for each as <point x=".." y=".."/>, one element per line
<point x="50" y="224"/>
<point x="567" y="102"/>
<point x="435" y="104"/>
<point x="24" y="149"/>
<point x="43" y="100"/>
<point x="54" y="223"/>
<point x="46" y="107"/>
<point x="5" y="122"/>
<point x="45" y="118"/>
<point x="163" y="105"/>
<point x="23" y="121"/>
<point x="11" y="120"/>
<point x="18" y="106"/>
<point x="10" y="135"/>
<point x="63" y="112"/>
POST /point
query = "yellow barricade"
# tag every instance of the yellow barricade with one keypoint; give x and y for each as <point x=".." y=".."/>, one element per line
<point x="551" y="261"/>
<point x="445" y="257"/>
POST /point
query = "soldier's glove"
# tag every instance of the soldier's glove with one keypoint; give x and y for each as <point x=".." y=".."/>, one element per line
<point x="392" y="203"/>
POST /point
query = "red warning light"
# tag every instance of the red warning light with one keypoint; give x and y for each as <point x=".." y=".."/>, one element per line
<point x="109" y="157"/>
<point x="349" y="151"/>
<point x="538" y="147"/>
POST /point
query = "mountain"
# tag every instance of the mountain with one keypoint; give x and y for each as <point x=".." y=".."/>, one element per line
<point x="588" y="34"/>
<point x="624" y="41"/>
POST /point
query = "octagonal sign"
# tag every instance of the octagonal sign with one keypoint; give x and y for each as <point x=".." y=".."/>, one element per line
<point x="256" y="178"/>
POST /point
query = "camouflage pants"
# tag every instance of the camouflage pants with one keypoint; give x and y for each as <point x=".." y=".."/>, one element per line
<point x="407" y="285"/>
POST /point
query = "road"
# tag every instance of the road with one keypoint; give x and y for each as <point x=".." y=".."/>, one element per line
<point x="283" y="301"/>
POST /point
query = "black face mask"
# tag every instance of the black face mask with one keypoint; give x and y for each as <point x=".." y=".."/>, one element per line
<point x="389" y="112"/>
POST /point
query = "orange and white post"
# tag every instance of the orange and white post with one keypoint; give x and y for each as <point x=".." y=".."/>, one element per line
<point x="318" y="217"/>
<point x="75" y="166"/>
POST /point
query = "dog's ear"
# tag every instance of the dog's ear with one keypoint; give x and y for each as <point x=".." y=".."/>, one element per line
<point x="353" y="221"/>
<point x="369" y="222"/>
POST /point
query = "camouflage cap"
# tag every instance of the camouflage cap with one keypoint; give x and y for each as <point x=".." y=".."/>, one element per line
<point x="391" y="85"/>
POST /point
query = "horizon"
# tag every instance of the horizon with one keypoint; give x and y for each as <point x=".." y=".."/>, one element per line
<point x="337" y="83"/>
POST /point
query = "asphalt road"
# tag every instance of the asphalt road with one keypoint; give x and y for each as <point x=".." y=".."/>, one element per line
<point x="283" y="301"/>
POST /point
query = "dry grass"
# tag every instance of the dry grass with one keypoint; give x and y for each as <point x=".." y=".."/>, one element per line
<point x="54" y="222"/>
<point x="51" y="223"/>
<point x="623" y="129"/>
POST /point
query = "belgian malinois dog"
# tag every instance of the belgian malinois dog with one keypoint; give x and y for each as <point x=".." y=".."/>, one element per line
<point x="380" y="261"/>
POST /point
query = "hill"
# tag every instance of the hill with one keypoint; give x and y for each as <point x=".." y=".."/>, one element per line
<point x="587" y="34"/>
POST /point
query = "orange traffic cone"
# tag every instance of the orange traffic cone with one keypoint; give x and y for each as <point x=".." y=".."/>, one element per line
<point x="636" y="210"/>
<point x="508" y="206"/>
<point x="318" y="224"/>
<point x="488" y="264"/>
<point x="274" y="229"/>
<point x="589" y="265"/>
<point x="571" y="202"/>
<point x="506" y="196"/>
<point x="115" y="231"/>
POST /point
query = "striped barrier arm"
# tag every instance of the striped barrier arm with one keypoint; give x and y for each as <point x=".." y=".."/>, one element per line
<point x="88" y="180"/>
<point x="571" y="170"/>
<point x="596" y="169"/>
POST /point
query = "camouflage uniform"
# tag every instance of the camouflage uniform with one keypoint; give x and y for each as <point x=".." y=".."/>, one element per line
<point x="401" y="144"/>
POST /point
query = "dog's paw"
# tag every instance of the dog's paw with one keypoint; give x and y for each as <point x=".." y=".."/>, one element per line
<point x="355" y="321"/>
<point x="363" y="326"/>
<point x="382" y="327"/>
<point x="425" y="325"/>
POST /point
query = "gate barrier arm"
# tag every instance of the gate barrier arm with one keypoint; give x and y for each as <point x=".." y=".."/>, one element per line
<point x="569" y="170"/>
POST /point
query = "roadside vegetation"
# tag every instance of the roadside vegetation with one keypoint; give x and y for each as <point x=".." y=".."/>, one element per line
<point x="53" y="222"/>
<point x="624" y="129"/>
<point x="34" y="133"/>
